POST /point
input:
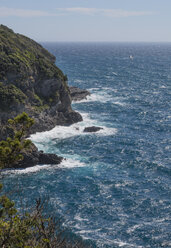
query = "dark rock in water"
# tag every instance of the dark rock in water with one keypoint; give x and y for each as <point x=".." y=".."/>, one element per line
<point x="92" y="129"/>
<point x="34" y="157"/>
<point x="78" y="94"/>
<point x="48" y="158"/>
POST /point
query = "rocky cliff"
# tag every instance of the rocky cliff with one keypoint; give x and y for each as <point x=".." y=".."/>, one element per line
<point x="31" y="82"/>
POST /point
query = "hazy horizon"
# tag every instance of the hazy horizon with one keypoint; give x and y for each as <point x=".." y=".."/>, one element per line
<point x="89" y="21"/>
<point x="70" y="41"/>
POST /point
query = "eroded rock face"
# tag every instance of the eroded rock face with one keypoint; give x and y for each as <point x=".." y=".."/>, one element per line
<point x="47" y="87"/>
<point x="92" y="129"/>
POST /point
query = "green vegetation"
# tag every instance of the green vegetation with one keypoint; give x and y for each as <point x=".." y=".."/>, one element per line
<point x="25" y="66"/>
<point x="38" y="100"/>
<point x="11" y="148"/>
<point x="41" y="108"/>
<point x="19" y="54"/>
<point x="10" y="96"/>
<point x="31" y="230"/>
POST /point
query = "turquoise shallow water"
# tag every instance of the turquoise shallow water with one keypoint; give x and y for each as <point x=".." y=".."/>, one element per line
<point x="114" y="187"/>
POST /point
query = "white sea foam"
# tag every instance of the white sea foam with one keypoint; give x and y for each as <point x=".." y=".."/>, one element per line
<point x="78" y="81"/>
<point x="110" y="89"/>
<point x="32" y="169"/>
<point x="163" y="87"/>
<point x="66" y="163"/>
<point x="94" y="97"/>
<point x="64" y="132"/>
<point x="151" y="223"/>
<point x="80" y="219"/>
<point x="124" y="184"/>
<point x="71" y="163"/>
<point x="92" y="89"/>
<point x="133" y="228"/>
<point x="119" y="103"/>
<point x="124" y="244"/>
<point x="102" y="97"/>
<point x="43" y="139"/>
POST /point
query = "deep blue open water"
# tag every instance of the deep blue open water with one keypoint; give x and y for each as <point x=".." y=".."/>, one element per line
<point x="115" y="186"/>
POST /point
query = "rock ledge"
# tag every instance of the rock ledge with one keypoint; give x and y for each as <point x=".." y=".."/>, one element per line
<point x="78" y="94"/>
<point x="34" y="157"/>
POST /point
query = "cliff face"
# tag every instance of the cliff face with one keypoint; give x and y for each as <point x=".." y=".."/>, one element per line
<point x="31" y="82"/>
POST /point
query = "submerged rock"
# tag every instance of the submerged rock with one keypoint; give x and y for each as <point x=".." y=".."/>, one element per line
<point x="78" y="94"/>
<point x="92" y="129"/>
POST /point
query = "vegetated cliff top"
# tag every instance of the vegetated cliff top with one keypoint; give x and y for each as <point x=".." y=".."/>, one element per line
<point x="28" y="75"/>
<point x="21" y="57"/>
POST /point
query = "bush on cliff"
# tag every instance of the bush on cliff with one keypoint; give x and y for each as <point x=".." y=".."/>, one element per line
<point x="11" y="148"/>
<point x="10" y="97"/>
<point x="27" y="70"/>
<point x="23" y="57"/>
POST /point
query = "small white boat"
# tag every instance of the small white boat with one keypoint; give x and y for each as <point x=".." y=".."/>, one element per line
<point x="131" y="57"/>
<point x="114" y="73"/>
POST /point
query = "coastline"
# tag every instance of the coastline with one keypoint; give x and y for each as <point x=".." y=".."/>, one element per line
<point x="33" y="156"/>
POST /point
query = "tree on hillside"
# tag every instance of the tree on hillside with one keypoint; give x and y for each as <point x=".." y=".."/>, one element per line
<point x="11" y="148"/>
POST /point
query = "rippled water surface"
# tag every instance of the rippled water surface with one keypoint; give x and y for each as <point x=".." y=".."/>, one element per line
<point x="114" y="187"/>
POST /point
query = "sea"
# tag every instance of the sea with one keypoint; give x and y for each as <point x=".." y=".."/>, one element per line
<point x="114" y="187"/>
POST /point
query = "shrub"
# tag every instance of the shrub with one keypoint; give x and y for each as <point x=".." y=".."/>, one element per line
<point x="11" y="148"/>
<point x="10" y="96"/>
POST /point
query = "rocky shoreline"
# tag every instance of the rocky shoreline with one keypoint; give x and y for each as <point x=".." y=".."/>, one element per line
<point x="31" y="82"/>
<point x="49" y="118"/>
<point x="33" y="156"/>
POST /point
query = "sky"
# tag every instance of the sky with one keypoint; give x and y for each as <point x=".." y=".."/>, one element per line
<point x="89" y="20"/>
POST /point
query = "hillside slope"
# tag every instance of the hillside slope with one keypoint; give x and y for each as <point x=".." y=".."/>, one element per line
<point x="31" y="82"/>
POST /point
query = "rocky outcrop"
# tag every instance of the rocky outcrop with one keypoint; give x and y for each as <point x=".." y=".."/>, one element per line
<point x="48" y="119"/>
<point x="78" y="94"/>
<point x="48" y="158"/>
<point x="33" y="157"/>
<point x="92" y="129"/>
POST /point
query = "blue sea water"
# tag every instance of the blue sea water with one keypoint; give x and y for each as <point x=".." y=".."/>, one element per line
<point x="114" y="188"/>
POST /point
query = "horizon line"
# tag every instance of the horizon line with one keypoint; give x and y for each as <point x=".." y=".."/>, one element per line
<point x="64" y="41"/>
